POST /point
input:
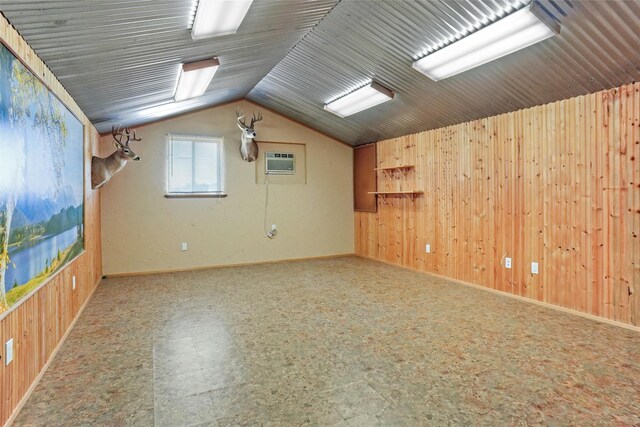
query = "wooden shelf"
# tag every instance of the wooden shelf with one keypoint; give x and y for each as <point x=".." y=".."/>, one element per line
<point x="391" y="168"/>
<point x="382" y="193"/>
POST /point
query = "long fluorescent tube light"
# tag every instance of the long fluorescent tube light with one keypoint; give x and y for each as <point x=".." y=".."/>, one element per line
<point x="515" y="31"/>
<point x="218" y="17"/>
<point x="360" y="99"/>
<point x="195" y="78"/>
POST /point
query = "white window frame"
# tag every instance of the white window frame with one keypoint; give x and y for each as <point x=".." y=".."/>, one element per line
<point x="219" y="141"/>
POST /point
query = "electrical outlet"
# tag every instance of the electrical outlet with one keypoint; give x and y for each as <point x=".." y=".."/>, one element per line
<point x="8" y="351"/>
<point x="427" y="248"/>
<point x="183" y="246"/>
<point x="507" y="263"/>
<point x="534" y="268"/>
<point x="73" y="283"/>
<point x="273" y="227"/>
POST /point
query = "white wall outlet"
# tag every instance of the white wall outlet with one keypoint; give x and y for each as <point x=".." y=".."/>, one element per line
<point x="427" y="248"/>
<point x="183" y="246"/>
<point x="534" y="268"/>
<point x="507" y="263"/>
<point x="273" y="227"/>
<point x="73" y="283"/>
<point x="8" y="351"/>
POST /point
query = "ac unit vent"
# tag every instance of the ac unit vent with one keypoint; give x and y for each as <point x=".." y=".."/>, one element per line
<point x="279" y="163"/>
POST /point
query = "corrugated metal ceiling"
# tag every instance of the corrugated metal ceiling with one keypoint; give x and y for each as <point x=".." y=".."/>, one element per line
<point x="598" y="48"/>
<point x="120" y="58"/>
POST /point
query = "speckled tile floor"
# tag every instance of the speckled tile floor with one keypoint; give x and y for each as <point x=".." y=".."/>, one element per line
<point x="340" y="342"/>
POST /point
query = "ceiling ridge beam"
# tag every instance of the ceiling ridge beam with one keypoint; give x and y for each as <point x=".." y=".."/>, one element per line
<point x="300" y="40"/>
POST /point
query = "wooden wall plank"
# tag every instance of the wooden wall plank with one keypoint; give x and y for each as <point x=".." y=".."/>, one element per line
<point x="634" y="185"/>
<point x="558" y="184"/>
<point x="41" y="320"/>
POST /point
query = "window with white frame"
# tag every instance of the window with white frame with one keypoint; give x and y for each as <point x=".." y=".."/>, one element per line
<point x="195" y="166"/>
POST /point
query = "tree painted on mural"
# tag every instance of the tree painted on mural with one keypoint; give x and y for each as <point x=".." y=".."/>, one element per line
<point x="8" y="175"/>
<point x="25" y="103"/>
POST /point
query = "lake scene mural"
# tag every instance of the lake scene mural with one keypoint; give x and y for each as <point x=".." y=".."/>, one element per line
<point x="41" y="182"/>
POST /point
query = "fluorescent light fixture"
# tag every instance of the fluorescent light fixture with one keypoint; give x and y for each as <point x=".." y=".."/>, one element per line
<point x="195" y="78"/>
<point x="360" y="99"/>
<point x="218" y="17"/>
<point x="515" y="31"/>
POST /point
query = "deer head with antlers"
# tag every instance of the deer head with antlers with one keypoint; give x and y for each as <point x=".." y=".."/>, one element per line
<point x="248" y="147"/>
<point x="103" y="169"/>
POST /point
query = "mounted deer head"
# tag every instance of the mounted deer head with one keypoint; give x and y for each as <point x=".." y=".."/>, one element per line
<point x="103" y="169"/>
<point x="248" y="147"/>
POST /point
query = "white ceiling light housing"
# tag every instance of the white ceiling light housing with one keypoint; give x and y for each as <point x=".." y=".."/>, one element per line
<point x="515" y="31"/>
<point x="218" y="17"/>
<point x="360" y="99"/>
<point x="194" y="78"/>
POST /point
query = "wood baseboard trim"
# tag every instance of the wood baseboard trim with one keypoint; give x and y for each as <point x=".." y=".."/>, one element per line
<point x="35" y="382"/>
<point x="517" y="297"/>
<point x="216" y="266"/>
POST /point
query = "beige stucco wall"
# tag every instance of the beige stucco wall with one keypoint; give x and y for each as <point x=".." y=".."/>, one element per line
<point x="142" y="230"/>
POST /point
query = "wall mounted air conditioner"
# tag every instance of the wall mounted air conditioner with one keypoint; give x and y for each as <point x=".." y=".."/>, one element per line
<point x="279" y="163"/>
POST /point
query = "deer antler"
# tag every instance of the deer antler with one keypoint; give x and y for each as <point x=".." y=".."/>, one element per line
<point x="131" y="138"/>
<point x="255" y="118"/>
<point x="240" y="116"/>
<point x="118" y="133"/>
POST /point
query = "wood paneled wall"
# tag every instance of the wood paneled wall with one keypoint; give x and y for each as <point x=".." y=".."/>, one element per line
<point x="39" y="322"/>
<point x="557" y="184"/>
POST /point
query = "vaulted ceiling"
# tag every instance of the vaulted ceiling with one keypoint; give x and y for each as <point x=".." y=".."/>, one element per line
<point x="120" y="59"/>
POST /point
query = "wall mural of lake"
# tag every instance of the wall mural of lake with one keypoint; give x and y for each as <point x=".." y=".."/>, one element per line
<point x="41" y="182"/>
